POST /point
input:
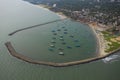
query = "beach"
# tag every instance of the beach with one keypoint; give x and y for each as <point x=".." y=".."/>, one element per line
<point x="100" y="39"/>
<point x="42" y="6"/>
<point x="60" y="14"/>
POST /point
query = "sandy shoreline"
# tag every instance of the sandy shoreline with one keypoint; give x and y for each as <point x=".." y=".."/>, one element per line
<point x="42" y="6"/>
<point x="60" y="14"/>
<point x="100" y="39"/>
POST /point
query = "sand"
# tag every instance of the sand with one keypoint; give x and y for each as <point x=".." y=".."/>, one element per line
<point x="100" y="39"/>
<point x="60" y="14"/>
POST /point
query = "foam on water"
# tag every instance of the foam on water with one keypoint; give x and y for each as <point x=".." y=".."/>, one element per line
<point x="110" y="59"/>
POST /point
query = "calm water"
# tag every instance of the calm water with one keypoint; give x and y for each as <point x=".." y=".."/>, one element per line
<point x="36" y="42"/>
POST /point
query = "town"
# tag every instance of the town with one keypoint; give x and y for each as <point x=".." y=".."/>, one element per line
<point x="105" y="12"/>
<point x="104" y="15"/>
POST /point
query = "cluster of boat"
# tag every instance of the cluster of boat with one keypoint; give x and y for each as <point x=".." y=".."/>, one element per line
<point x="61" y="38"/>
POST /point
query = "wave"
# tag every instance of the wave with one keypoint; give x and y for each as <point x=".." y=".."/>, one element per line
<point x="112" y="58"/>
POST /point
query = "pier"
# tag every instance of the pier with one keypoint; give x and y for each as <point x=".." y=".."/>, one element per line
<point x="12" y="33"/>
<point x="54" y="64"/>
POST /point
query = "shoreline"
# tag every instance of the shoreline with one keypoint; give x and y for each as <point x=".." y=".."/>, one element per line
<point x="100" y="39"/>
<point x="60" y="14"/>
<point x="100" y="51"/>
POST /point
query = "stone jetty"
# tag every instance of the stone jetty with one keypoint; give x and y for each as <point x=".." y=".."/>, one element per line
<point x="54" y="64"/>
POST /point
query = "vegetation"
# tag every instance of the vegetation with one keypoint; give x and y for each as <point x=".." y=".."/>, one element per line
<point x="112" y="45"/>
<point x="110" y="11"/>
<point x="76" y="5"/>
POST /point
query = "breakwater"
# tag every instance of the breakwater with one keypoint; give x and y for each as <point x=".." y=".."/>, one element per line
<point x="12" y="33"/>
<point x="54" y="64"/>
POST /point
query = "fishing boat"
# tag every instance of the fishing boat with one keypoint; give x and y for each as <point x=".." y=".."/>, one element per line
<point x="50" y="49"/>
<point x="61" y="49"/>
<point x="52" y="45"/>
<point x="54" y="38"/>
<point x="59" y="30"/>
<point x="61" y="53"/>
<point x="53" y="41"/>
<point x="61" y="39"/>
<point x="63" y="43"/>
<point x="65" y="33"/>
<point x="71" y="36"/>
<point x="69" y="47"/>
<point x="77" y="46"/>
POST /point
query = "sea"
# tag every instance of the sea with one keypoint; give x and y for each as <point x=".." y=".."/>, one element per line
<point x="45" y="43"/>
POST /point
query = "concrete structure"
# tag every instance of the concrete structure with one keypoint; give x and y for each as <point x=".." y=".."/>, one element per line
<point x="29" y="60"/>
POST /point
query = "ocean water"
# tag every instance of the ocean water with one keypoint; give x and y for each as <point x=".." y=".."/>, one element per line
<point x="35" y="43"/>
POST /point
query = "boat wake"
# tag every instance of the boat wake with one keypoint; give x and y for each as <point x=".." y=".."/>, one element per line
<point x="111" y="59"/>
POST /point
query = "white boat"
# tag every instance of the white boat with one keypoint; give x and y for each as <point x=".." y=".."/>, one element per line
<point x="61" y="53"/>
<point x="52" y="45"/>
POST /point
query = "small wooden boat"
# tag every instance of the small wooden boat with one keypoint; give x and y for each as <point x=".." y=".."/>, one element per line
<point x="76" y="40"/>
<point x="69" y="47"/>
<point x="65" y="29"/>
<point x="65" y="32"/>
<point x="61" y="49"/>
<point x="50" y="49"/>
<point x="77" y="46"/>
<point x="63" y="43"/>
<point x="54" y="38"/>
<point x="59" y="30"/>
<point x="53" y="31"/>
<point x="62" y="39"/>
<point x="53" y="41"/>
<point x="71" y="36"/>
<point x="61" y="36"/>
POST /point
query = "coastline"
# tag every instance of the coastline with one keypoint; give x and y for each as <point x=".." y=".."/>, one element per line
<point x="60" y="14"/>
<point x="100" y="39"/>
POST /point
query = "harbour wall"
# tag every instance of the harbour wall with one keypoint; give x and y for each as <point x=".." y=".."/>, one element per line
<point x="54" y="64"/>
<point x="12" y="33"/>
